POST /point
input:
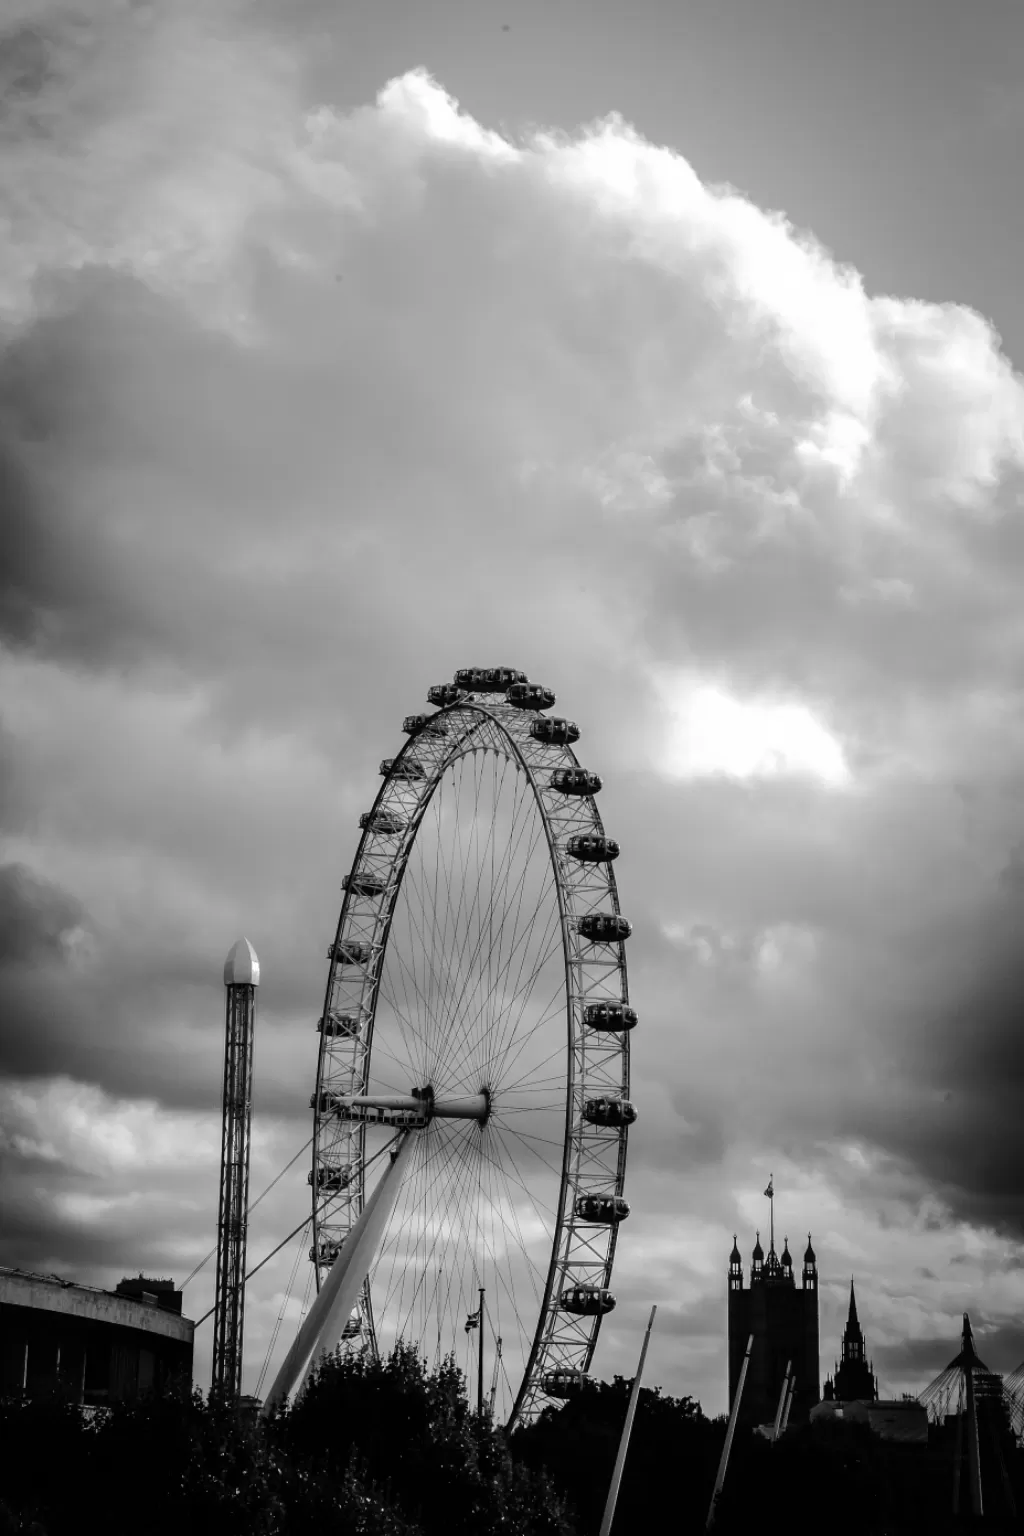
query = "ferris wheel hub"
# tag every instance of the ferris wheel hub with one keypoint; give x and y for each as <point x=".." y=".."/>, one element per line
<point x="416" y="1110"/>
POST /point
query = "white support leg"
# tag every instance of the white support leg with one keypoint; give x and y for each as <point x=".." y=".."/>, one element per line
<point x="340" y="1291"/>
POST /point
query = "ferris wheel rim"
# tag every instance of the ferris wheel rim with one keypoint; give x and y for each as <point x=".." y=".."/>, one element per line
<point x="468" y="713"/>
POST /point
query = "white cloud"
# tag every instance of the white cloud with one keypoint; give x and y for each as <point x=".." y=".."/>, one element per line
<point x="98" y="1135"/>
<point x="711" y="732"/>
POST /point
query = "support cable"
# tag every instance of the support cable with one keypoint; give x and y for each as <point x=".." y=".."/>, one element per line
<point x="251" y="1208"/>
<point x="284" y="1304"/>
<point x="295" y="1230"/>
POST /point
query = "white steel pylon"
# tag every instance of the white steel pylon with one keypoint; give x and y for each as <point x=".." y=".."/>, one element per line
<point x="340" y="1291"/>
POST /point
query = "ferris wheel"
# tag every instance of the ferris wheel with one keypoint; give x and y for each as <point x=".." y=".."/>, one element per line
<point x="477" y="1000"/>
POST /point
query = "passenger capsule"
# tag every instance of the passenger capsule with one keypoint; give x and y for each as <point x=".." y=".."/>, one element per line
<point x="530" y="696"/>
<point x="325" y="1103"/>
<point x="575" y="781"/>
<point x="587" y="1300"/>
<point x="350" y="952"/>
<point x="608" y="1210"/>
<point x="609" y="1016"/>
<point x="605" y="927"/>
<point x="563" y="1382"/>
<point x="362" y="883"/>
<point x="592" y="848"/>
<point x="329" y="1177"/>
<point x="424" y="725"/>
<point x="334" y="1024"/>
<point x="402" y="768"/>
<point x="324" y="1252"/>
<point x="554" y="732"/>
<point x="488" y="679"/>
<point x="444" y="693"/>
<point x="610" y="1112"/>
<point x="384" y="822"/>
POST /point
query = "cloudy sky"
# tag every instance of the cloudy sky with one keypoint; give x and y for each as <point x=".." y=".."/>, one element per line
<point x="663" y="351"/>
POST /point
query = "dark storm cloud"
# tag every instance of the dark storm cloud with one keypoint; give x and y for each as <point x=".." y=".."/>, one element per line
<point x="971" y="1144"/>
<point x="921" y="1360"/>
<point x="80" y="582"/>
<point x="36" y="917"/>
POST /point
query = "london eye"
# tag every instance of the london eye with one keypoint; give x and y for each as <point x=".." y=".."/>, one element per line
<point x="477" y="1006"/>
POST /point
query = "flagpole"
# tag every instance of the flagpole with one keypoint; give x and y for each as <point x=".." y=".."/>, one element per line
<point x="771" y="1211"/>
<point x="480" y="1360"/>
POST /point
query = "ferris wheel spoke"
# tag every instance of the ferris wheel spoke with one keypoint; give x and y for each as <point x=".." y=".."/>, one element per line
<point x="501" y="1284"/>
<point x="387" y="989"/>
<point x="425" y="949"/>
<point x="458" y="1179"/>
<point x="463" y="840"/>
<point x="488" y="998"/>
<point x="513" y="1231"/>
<point x="516" y="1230"/>
<point x="521" y="1087"/>
<point x="404" y="1064"/>
<point x="519" y="985"/>
<point x="500" y="882"/>
<point x="532" y="1136"/>
<point x="447" y="1173"/>
<point x="455" y="1176"/>
<point x="514" y="900"/>
<point x="481" y="865"/>
<point x="416" y="876"/>
<point x="443" y="869"/>
<point x="402" y="943"/>
<point x="418" y="1034"/>
<point x="528" y="1109"/>
<point x="551" y="1011"/>
<point x="408" y="1207"/>
<point x="539" y="1156"/>
<point x="503" y="1173"/>
<point x="461" y="1302"/>
<point x="513" y="842"/>
<point x="471" y="963"/>
<point x="506" y="1027"/>
<point x="500" y="1017"/>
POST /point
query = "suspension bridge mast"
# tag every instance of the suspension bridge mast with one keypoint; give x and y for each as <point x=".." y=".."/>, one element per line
<point x="241" y="978"/>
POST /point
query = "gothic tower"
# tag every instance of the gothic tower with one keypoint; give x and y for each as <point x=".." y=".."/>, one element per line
<point x="784" y="1322"/>
<point x="854" y="1377"/>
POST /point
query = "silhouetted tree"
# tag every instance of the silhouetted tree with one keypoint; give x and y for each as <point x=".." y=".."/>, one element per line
<point x="670" y="1470"/>
<point x="419" y="1443"/>
<point x="370" y="1449"/>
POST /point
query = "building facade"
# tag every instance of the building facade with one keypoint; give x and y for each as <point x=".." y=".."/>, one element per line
<point x="93" y="1346"/>
<point x="783" y="1318"/>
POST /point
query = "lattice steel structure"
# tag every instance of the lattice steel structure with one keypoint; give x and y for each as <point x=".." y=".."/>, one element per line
<point x="477" y="993"/>
<point x="241" y="978"/>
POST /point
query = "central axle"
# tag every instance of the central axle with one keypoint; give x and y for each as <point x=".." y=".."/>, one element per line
<point x="421" y="1104"/>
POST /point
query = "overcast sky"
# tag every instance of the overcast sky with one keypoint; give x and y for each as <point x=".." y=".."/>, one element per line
<point x="665" y="351"/>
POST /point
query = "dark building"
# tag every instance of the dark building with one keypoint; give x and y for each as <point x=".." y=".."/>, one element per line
<point x="783" y="1318"/>
<point x="855" y="1380"/>
<point x="159" y="1293"/>
<point x="95" y="1346"/>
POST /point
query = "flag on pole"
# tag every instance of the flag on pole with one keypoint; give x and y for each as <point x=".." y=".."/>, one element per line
<point x="770" y="1191"/>
<point x="473" y="1320"/>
